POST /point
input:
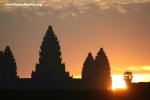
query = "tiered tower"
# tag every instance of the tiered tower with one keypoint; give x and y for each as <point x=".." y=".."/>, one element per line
<point x="50" y="68"/>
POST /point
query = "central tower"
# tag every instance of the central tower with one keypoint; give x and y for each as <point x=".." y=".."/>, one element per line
<point x="50" y="67"/>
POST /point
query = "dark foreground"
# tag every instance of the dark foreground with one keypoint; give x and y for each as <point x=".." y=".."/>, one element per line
<point x="74" y="95"/>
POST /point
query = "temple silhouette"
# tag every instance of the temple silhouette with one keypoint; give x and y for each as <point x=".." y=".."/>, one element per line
<point x="50" y="72"/>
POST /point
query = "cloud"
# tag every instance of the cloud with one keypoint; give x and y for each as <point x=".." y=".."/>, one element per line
<point x="71" y="7"/>
<point x="146" y="68"/>
<point x="134" y="69"/>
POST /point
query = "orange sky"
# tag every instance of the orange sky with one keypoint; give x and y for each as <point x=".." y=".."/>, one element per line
<point x="121" y="28"/>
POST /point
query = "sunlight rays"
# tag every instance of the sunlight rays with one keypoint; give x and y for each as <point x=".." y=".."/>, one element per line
<point x="118" y="82"/>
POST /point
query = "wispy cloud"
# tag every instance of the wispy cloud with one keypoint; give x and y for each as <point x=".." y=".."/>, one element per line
<point x="134" y="69"/>
<point x="60" y="4"/>
<point x="70" y="7"/>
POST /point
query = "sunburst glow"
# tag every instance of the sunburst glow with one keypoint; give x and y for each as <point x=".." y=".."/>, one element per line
<point x="118" y="82"/>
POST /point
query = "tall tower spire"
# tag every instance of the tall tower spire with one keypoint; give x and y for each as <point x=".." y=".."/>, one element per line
<point x="8" y="67"/>
<point x="87" y="67"/>
<point x="50" y="30"/>
<point x="96" y="73"/>
<point x="102" y="70"/>
<point x="50" y="65"/>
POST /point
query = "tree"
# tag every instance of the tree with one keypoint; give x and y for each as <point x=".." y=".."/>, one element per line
<point x="50" y="65"/>
<point x="128" y="78"/>
<point x="87" y="68"/>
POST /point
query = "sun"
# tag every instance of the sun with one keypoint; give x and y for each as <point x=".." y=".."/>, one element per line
<point x="118" y="82"/>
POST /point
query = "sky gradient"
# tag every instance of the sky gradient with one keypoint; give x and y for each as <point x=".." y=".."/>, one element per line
<point x="121" y="27"/>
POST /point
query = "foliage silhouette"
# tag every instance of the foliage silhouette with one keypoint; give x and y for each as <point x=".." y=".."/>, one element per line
<point x="128" y="78"/>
